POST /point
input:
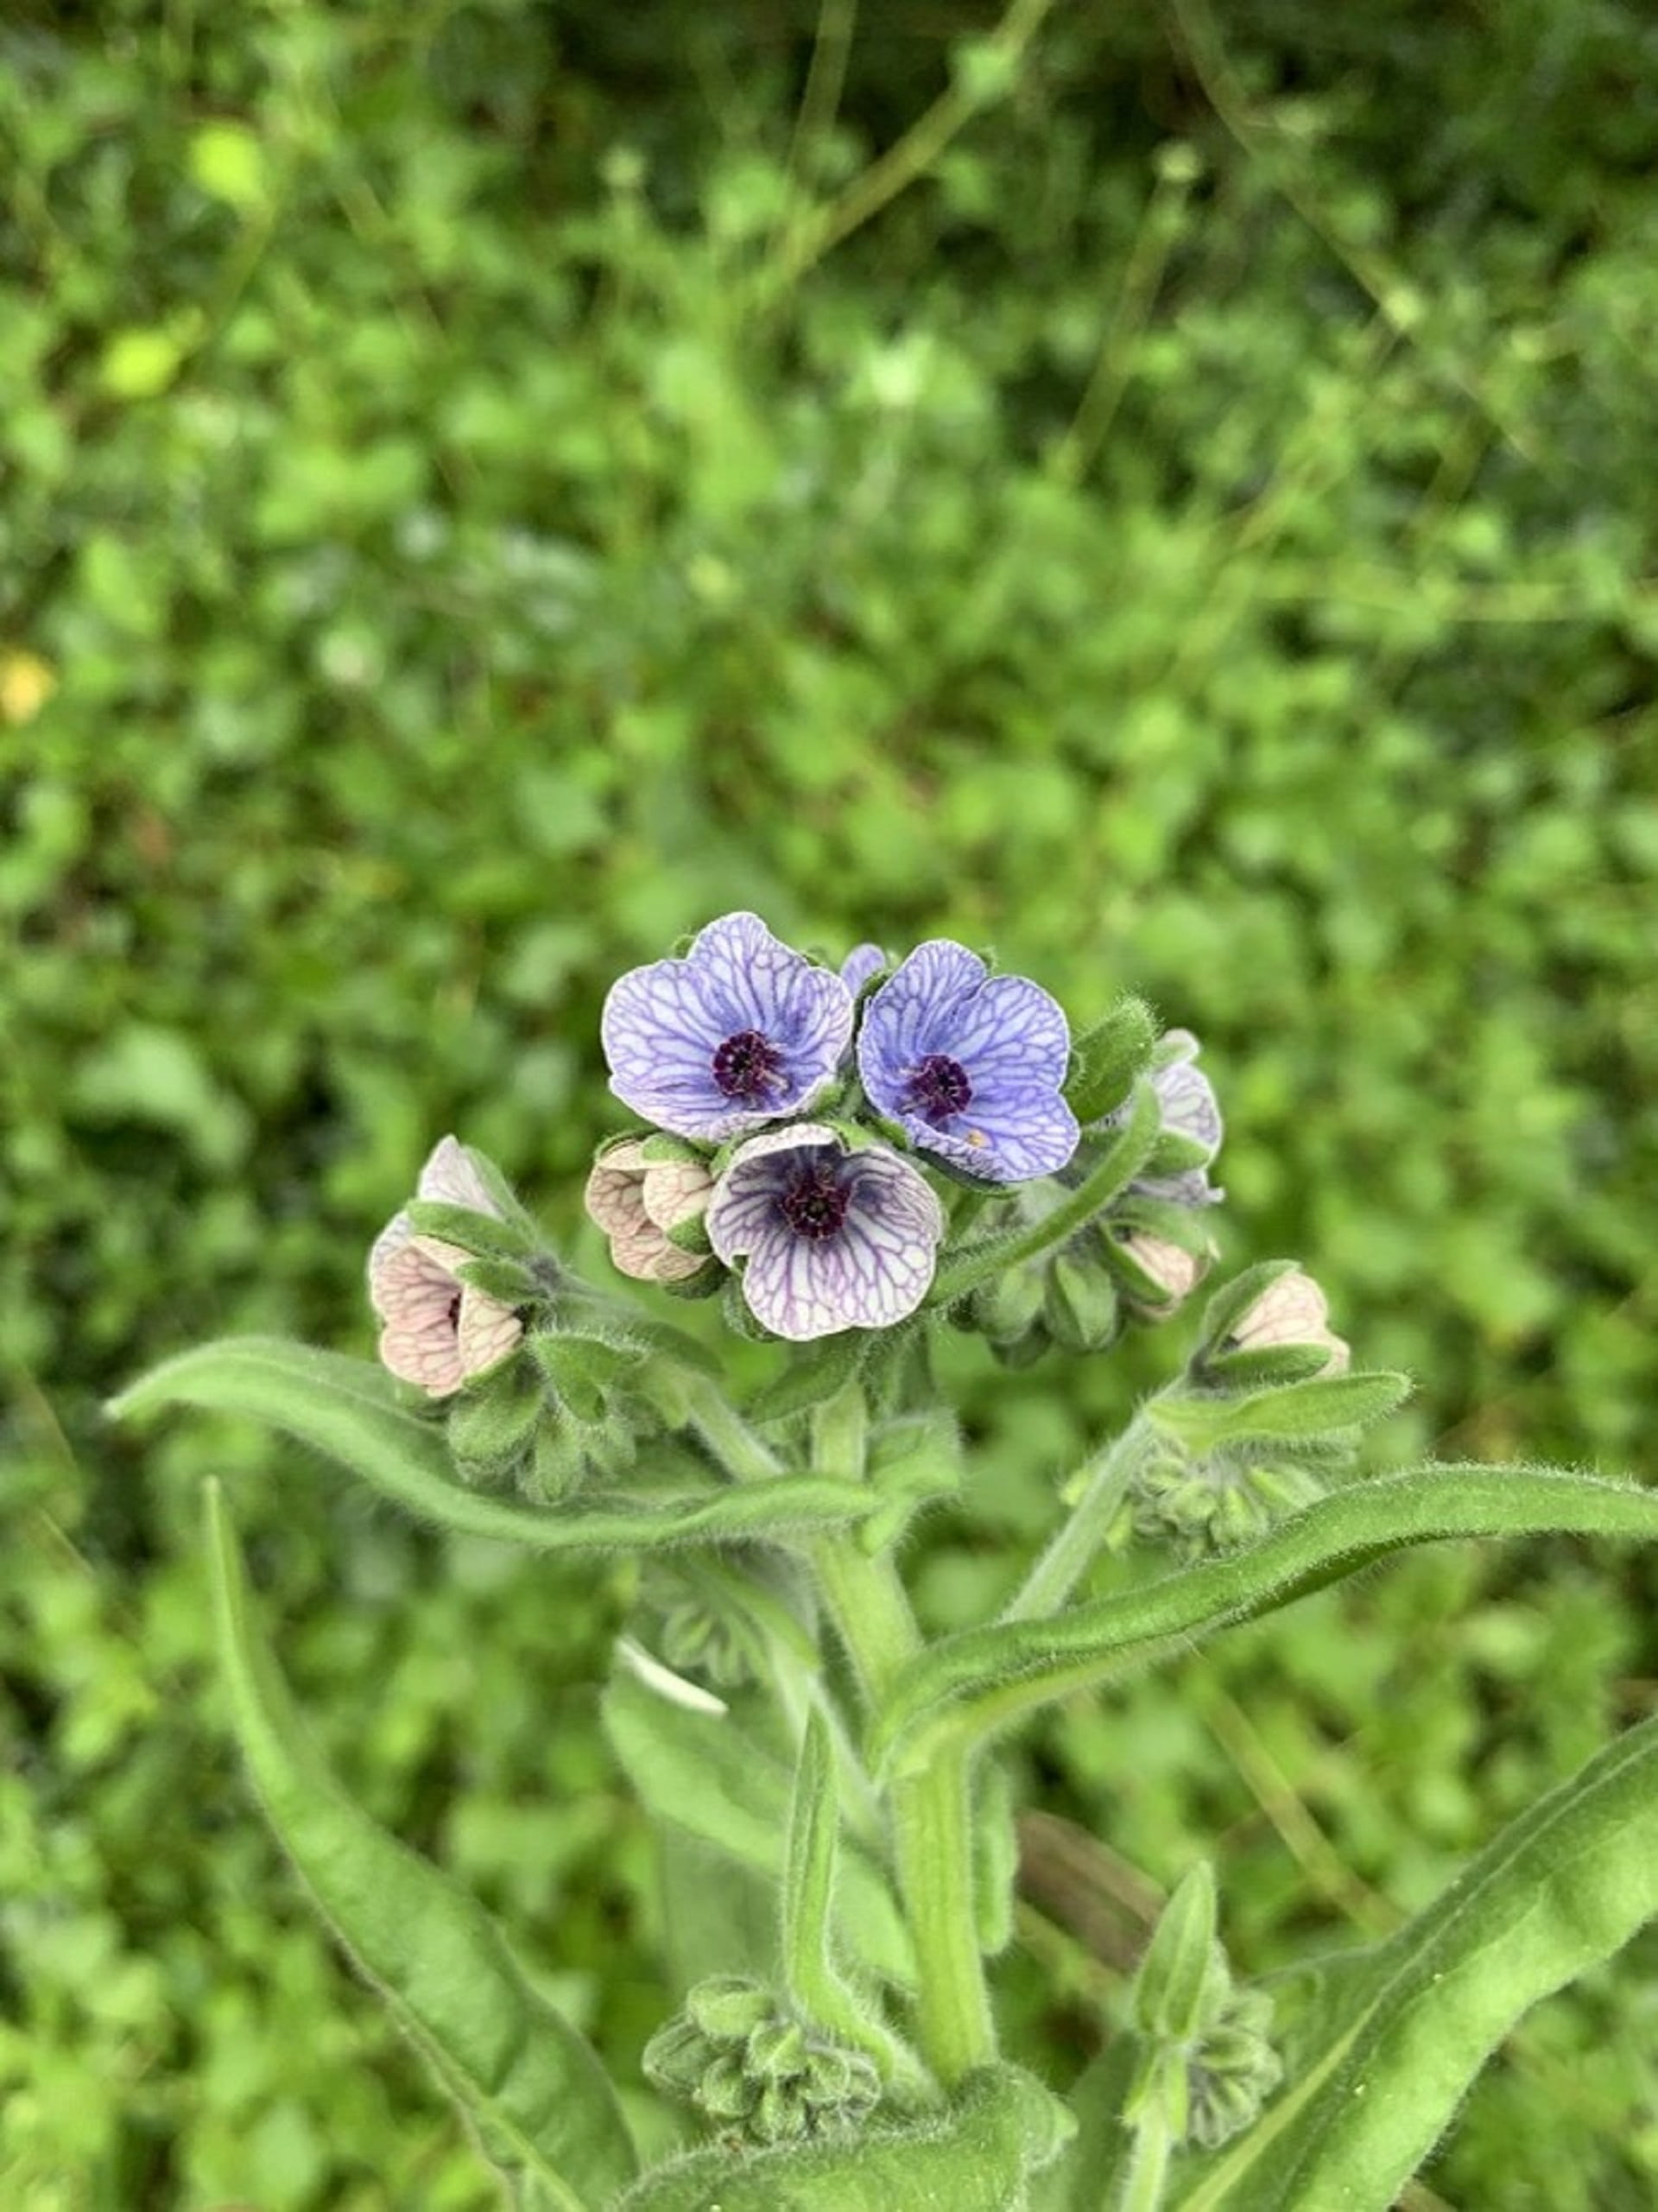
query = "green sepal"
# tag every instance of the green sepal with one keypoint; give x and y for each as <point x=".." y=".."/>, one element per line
<point x="508" y="1202"/>
<point x="662" y="1148"/>
<point x="1005" y="1308"/>
<point x="1326" y="1406"/>
<point x="1175" y="1153"/>
<point x="1025" y="1351"/>
<point x="707" y="1283"/>
<point x="1080" y="1303"/>
<point x="1268" y="1366"/>
<point x="1107" y="1059"/>
<point x="735" y="1314"/>
<point x="1174" y="1986"/>
<point x="689" y="1236"/>
<point x="584" y="1371"/>
<point x="1185" y="1225"/>
<point x="493" y="1421"/>
<point x="729" y="2007"/>
<point x="504" y="1280"/>
<point x="480" y="1235"/>
<point x="534" y="2090"/>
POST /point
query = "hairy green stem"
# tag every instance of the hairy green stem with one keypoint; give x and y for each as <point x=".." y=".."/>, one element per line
<point x="1077" y="1544"/>
<point x="932" y="1824"/>
<point x="1142" y="2184"/>
<point x="727" y="1434"/>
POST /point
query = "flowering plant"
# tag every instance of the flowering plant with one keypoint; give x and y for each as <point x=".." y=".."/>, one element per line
<point x="848" y="1161"/>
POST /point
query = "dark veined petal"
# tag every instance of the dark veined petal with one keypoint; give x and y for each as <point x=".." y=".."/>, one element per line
<point x="664" y="1024"/>
<point x="871" y="1269"/>
<point x="970" y="1065"/>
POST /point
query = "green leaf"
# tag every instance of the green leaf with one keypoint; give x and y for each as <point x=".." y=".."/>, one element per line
<point x="535" y="2089"/>
<point x="1394" y="2036"/>
<point x="1084" y="2178"/>
<point x="808" y="1892"/>
<point x="975" y="2157"/>
<point x="1178" y="1967"/>
<point x="810" y="1376"/>
<point x="811" y="1858"/>
<point x="703" y="1774"/>
<point x="350" y="1409"/>
<point x="1286" y="1414"/>
<point x="973" y="1684"/>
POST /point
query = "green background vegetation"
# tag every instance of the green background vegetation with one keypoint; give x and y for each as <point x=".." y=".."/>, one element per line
<point x="485" y="487"/>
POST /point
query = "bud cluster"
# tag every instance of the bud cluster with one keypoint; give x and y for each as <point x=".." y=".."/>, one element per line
<point x="1207" y="2065"/>
<point x="1150" y="1245"/>
<point x="1198" y="1503"/>
<point x="745" y="2061"/>
<point x="1266" y="1412"/>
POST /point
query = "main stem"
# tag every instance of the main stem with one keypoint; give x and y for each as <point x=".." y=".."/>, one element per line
<point x="932" y="1812"/>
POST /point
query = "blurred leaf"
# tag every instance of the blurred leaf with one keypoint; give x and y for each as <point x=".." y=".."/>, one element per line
<point x="535" y="2089"/>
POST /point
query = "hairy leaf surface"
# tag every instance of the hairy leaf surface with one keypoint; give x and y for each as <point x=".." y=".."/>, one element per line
<point x="350" y="1409"/>
<point x="533" y="2090"/>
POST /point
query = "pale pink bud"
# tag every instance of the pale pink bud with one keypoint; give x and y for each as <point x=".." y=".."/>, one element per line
<point x="638" y="1203"/>
<point x="437" y="1331"/>
<point x="1171" y="1268"/>
<point x="1292" y="1311"/>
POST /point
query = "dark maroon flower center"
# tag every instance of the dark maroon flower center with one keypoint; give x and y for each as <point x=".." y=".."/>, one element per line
<point x="814" y="1205"/>
<point x="453" y="1316"/>
<point x="937" y="1087"/>
<point x="748" y="1067"/>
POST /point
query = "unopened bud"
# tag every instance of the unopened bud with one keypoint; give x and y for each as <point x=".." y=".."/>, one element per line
<point x="1081" y="1305"/>
<point x="650" y="1210"/>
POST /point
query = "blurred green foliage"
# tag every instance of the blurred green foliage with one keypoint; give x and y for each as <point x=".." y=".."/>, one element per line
<point x="484" y="488"/>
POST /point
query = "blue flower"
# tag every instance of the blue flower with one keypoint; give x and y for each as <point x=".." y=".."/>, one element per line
<point x="1190" y="1110"/>
<point x="833" y="1239"/>
<point x="970" y="1065"/>
<point x="740" y="1032"/>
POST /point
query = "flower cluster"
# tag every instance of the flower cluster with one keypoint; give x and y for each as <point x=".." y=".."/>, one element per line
<point x="802" y="1098"/>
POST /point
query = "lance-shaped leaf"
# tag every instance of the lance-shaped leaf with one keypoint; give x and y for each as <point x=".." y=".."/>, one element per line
<point x="1392" y="2036"/>
<point x="349" y="1410"/>
<point x="1290" y="1415"/>
<point x="811" y="1973"/>
<point x="971" y="1685"/>
<point x="1085" y="2178"/>
<point x="703" y="1774"/>
<point x="977" y="2156"/>
<point x="533" y="2090"/>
